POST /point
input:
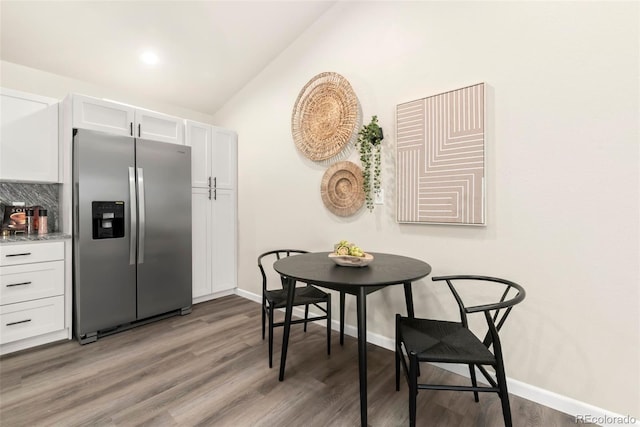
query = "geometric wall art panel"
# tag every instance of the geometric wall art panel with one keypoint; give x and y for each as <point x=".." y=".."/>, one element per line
<point x="440" y="143"/>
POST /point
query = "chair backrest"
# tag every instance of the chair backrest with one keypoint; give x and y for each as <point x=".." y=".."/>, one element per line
<point x="496" y="312"/>
<point x="268" y="258"/>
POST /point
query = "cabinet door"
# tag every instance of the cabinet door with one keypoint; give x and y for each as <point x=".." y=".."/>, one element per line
<point x="158" y="127"/>
<point x="28" y="137"/>
<point x="201" y="242"/>
<point x="224" y="157"/>
<point x="198" y="136"/>
<point x="224" y="247"/>
<point x="105" y="116"/>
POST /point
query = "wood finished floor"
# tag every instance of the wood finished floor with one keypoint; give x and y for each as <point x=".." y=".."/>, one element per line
<point x="210" y="368"/>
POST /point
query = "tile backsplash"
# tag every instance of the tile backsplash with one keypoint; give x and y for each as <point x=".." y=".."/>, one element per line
<point x="45" y="195"/>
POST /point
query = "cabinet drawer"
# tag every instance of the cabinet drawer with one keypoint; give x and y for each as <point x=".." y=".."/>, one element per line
<point x="31" y="252"/>
<point x="31" y="318"/>
<point x="20" y="283"/>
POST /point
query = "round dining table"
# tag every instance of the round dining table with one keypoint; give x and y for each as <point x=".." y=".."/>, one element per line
<point x="320" y="270"/>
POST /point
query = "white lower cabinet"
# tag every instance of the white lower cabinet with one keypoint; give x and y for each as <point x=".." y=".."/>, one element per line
<point x="224" y="232"/>
<point x="32" y="295"/>
<point x="214" y="243"/>
<point x="31" y="318"/>
<point x="201" y="242"/>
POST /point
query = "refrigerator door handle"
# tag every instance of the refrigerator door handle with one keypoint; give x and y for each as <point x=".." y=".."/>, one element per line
<point x="133" y="235"/>
<point x="142" y="216"/>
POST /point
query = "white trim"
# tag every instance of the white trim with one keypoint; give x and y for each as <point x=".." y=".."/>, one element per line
<point x="214" y="295"/>
<point x="11" y="347"/>
<point x="538" y="395"/>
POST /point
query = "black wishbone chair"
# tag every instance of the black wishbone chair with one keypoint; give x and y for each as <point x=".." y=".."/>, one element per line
<point x="426" y="340"/>
<point x="273" y="299"/>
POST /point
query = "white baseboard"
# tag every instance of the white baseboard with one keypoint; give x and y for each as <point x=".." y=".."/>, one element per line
<point x="581" y="411"/>
<point x="209" y="297"/>
<point x="11" y="347"/>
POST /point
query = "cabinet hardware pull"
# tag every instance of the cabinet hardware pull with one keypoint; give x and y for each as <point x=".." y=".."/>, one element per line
<point x="131" y="128"/>
<point x="133" y="236"/>
<point x="142" y="217"/>
<point x="22" y="254"/>
<point x="209" y="182"/>
<point x="209" y="193"/>
<point x="17" y="323"/>
<point x="139" y="131"/>
<point x="215" y="193"/>
<point x="215" y="182"/>
<point x="18" y="284"/>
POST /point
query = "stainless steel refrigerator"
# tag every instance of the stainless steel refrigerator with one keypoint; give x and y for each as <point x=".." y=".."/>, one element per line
<point x="132" y="232"/>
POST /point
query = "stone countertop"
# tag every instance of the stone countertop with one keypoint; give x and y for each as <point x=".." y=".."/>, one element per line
<point x="35" y="238"/>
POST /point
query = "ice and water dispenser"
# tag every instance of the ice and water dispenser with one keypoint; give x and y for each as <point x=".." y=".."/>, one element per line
<point x="108" y="219"/>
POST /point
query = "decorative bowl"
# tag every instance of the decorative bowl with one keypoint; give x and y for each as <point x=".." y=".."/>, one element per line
<point x="351" y="261"/>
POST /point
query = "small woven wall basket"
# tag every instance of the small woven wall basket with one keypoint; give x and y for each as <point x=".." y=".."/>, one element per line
<point x="324" y="117"/>
<point x="341" y="188"/>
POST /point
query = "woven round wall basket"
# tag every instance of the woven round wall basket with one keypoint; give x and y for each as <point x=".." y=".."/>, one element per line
<point x="341" y="188"/>
<point x="324" y="116"/>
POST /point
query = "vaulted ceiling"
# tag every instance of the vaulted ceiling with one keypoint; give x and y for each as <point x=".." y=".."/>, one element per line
<point x="206" y="50"/>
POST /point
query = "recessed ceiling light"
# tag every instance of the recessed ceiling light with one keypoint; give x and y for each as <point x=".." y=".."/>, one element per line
<point x="149" y="58"/>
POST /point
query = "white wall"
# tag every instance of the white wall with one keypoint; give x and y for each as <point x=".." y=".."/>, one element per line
<point x="563" y="171"/>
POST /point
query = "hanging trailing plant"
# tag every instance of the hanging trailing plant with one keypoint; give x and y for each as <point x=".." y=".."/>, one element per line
<point x="369" y="144"/>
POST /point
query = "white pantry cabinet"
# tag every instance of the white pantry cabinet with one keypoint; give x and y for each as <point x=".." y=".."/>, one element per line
<point x="121" y="119"/>
<point x="214" y="209"/>
<point x="29" y="150"/>
<point x="32" y="295"/>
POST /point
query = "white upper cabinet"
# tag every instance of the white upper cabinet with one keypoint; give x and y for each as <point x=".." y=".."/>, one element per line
<point x="214" y="155"/>
<point x="105" y="116"/>
<point x="159" y="127"/>
<point x="121" y="119"/>
<point x="198" y="136"/>
<point x="28" y="137"/>
<point x="224" y="158"/>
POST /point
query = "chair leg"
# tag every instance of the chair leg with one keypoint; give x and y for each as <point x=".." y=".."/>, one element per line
<point x="270" y="338"/>
<point x="329" y="324"/>
<point x="474" y="382"/>
<point x="397" y="368"/>
<point x="413" y="388"/>
<point x="306" y="316"/>
<point x="264" y="308"/>
<point x="398" y="352"/>
<point x="342" y="318"/>
<point x="504" y="394"/>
